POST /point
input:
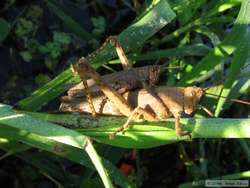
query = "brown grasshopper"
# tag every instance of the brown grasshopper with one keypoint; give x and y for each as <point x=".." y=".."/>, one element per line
<point x="149" y="103"/>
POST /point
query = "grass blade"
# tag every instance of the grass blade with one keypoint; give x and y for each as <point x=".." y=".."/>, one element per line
<point x="4" y="29"/>
<point x="47" y="136"/>
<point x="223" y="50"/>
<point x="156" y="18"/>
<point x="184" y="51"/>
<point x="150" y="134"/>
<point x="98" y="164"/>
<point x="240" y="57"/>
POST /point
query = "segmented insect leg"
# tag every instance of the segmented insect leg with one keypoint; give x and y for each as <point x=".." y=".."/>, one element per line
<point x="161" y="104"/>
<point x="178" y="130"/>
<point x="136" y="113"/>
<point x="89" y="98"/>
<point x="113" y="40"/>
<point x="86" y="87"/>
<point x="120" y="52"/>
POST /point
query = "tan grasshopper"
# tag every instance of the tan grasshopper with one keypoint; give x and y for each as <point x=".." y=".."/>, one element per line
<point x="135" y="96"/>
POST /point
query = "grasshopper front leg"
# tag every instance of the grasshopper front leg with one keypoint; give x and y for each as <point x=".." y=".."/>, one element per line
<point x="88" y="94"/>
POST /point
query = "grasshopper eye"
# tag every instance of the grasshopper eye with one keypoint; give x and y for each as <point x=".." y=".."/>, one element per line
<point x="191" y="94"/>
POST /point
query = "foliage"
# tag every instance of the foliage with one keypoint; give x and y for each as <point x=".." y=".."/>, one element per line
<point x="207" y="40"/>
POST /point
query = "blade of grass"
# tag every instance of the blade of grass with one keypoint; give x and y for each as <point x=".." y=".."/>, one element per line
<point x="71" y="153"/>
<point x="241" y="55"/>
<point x="150" y="134"/>
<point x="240" y="86"/>
<point x="188" y="50"/>
<point x="98" y="164"/>
<point x="223" y="50"/>
<point x="14" y="149"/>
<point x="189" y="10"/>
<point x="132" y="37"/>
<point x="222" y="6"/>
<point x="210" y="34"/>
<point x="197" y="23"/>
<point x="45" y="135"/>
<point x="4" y="29"/>
<point x="207" y="19"/>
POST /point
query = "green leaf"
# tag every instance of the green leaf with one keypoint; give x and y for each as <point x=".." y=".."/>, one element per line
<point x="49" y="137"/>
<point x="4" y="29"/>
<point x="150" y="134"/>
<point x="24" y="27"/>
<point x="26" y="55"/>
<point x="155" y="19"/>
<point x="61" y="38"/>
<point x="223" y="50"/>
<point x="186" y="9"/>
<point x="206" y="19"/>
<point x="28" y="124"/>
<point x="99" y="24"/>
<point x="241" y="55"/>
<point x="188" y="50"/>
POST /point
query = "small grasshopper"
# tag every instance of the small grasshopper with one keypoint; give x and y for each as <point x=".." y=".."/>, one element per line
<point x="146" y="103"/>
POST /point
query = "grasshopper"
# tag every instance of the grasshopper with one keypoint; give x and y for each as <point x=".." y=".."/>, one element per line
<point x="136" y="97"/>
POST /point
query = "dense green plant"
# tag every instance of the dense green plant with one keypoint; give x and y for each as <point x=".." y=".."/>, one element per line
<point x="207" y="40"/>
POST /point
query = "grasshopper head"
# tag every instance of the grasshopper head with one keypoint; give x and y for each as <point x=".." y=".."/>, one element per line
<point x="192" y="96"/>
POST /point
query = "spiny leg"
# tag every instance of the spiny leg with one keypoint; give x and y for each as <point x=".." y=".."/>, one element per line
<point x="86" y="87"/>
<point x="120" y="52"/>
<point x="136" y="113"/>
<point x="113" y="40"/>
<point x="89" y="98"/>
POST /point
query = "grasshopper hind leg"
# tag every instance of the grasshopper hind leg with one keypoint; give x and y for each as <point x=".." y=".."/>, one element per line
<point x="135" y="115"/>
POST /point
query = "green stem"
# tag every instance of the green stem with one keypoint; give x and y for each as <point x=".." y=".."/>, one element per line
<point x="150" y="134"/>
<point x="98" y="164"/>
<point x="189" y="26"/>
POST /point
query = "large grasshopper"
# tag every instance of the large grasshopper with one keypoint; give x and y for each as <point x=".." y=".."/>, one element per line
<point x="131" y="93"/>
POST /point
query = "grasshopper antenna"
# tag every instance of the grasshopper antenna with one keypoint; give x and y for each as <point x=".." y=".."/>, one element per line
<point x="233" y="100"/>
<point x="206" y="110"/>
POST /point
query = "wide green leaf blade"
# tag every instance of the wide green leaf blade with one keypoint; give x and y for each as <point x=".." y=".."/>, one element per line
<point x="149" y="134"/>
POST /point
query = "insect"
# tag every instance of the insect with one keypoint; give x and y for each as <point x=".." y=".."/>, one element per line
<point x="171" y="101"/>
<point x="147" y="102"/>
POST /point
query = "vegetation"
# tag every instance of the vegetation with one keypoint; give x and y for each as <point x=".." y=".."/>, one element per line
<point x="203" y="43"/>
